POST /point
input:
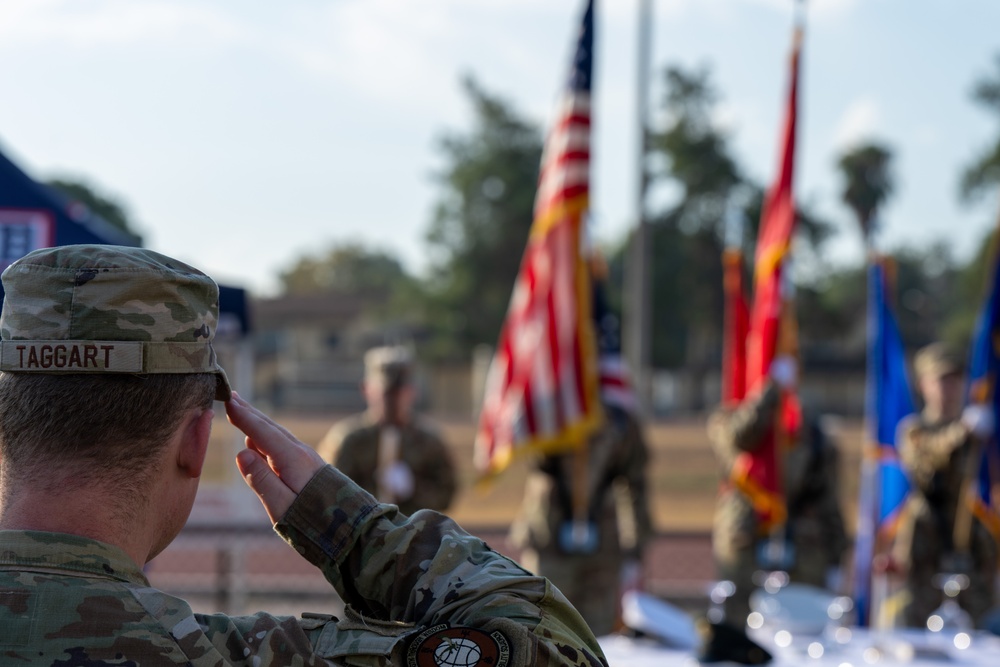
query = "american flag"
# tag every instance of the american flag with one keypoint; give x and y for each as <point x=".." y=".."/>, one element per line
<point x="541" y="390"/>
<point x="614" y="379"/>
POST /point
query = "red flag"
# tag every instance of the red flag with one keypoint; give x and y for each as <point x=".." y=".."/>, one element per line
<point x="772" y="325"/>
<point x="542" y="387"/>
<point x="737" y="322"/>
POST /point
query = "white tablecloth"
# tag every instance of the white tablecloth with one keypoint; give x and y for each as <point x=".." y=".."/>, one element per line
<point x="903" y="648"/>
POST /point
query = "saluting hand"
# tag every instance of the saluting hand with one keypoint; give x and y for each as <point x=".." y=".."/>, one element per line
<point x="275" y="464"/>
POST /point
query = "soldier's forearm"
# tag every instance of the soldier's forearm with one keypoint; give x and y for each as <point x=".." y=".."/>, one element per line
<point x="750" y="422"/>
<point x="426" y="570"/>
<point x="924" y="452"/>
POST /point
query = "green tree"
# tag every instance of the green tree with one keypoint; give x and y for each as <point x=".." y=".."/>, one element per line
<point x="392" y="298"/>
<point x="829" y="305"/>
<point x="349" y="268"/>
<point x="926" y="280"/>
<point x="480" y="223"/>
<point x="978" y="178"/>
<point x="984" y="171"/>
<point x="926" y="288"/>
<point x="688" y="237"/>
<point x="868" y="183"/>
<point x="109" y="208"/>
<point x="970" y="290"/>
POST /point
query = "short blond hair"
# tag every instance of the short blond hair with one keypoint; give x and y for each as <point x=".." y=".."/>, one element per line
<point x="108" y="427"/>
<point x="938" y="360"/>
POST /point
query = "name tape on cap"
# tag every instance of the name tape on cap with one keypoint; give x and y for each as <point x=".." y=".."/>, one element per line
<point x="71" y="356"/>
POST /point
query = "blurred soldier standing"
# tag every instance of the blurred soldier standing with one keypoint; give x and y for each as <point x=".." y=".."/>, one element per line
<point x="591" y="573"/>
<point x="593" y="567"/>
<point x="815" y="538"/>
<point x="389" y="451"/>
<point x="940" y="451"/>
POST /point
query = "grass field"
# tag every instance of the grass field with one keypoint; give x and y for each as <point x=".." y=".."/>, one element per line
<point x="682" y="478"/>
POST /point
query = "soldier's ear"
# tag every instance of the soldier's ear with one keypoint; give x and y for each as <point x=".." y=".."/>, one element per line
<point x="193" y="446"/>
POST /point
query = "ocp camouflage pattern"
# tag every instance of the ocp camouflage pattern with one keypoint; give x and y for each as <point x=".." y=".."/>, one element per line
<point x="617" y="460"/>
<point x="111" y="293"/>
<point x="810" y="481"/>
<point x="939" y="456"/>
<point x="67" y="600"/>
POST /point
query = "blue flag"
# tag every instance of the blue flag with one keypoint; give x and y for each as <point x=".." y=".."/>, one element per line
<point x="888" y="399"/>
<point x="982" y="391"/>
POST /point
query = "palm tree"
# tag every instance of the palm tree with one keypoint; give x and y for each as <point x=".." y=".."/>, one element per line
<point x="868" y="182"/>
<point x="984" y="171"/>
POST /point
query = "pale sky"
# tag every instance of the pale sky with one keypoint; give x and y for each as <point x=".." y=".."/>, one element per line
<point x="242" y="134"/>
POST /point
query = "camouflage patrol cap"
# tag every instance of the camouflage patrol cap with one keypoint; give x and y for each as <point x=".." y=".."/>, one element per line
<point x="388" y="367"/>
<point x="108" y="309"/>
<point x="938" y="360"/>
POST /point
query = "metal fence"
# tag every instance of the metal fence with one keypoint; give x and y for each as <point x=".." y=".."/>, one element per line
<point x="240" y="568"/>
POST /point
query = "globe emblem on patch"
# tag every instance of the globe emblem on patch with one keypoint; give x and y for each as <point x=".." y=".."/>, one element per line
<point x="458" y="652"/>
<point x="457" y="646"/>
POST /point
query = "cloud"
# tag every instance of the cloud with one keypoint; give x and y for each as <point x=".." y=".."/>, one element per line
<point x="354" y="40"/>
<point x="857" y="124"/>
<point x="105" y="23"/>
<point x="815" y="9"/>
<point x="384" y="49"/>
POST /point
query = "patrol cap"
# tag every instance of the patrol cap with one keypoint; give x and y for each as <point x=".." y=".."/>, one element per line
<point x="388" y="367"/>
<point x="108" y="309"/>
<point x="938" y="360"/>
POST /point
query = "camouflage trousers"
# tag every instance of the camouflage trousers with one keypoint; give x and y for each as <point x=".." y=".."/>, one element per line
<point x="928" y="560"/>
<point x="737" y="562"/>
<point x="592" y="583"/>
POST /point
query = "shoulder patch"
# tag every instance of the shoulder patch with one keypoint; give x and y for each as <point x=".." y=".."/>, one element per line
<point x="447" y="646"/>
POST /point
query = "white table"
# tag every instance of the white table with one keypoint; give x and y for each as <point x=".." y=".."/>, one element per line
<point x="909" y="648"/>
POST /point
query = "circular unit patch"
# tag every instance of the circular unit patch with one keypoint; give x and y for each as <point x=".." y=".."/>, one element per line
<point x="446" y="646"/>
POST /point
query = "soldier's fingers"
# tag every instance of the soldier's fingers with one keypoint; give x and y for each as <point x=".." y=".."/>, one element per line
<point x="293" y="461"/>
<point x="253" y="422"/>
<point x="274" y="494"/>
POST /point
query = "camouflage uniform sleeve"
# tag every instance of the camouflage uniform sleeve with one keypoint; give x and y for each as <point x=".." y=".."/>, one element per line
<point x="436" y="480"/>
<point x="742" y="429"/>
<point x="924" y="452"/>
<point x="426" y="571"/>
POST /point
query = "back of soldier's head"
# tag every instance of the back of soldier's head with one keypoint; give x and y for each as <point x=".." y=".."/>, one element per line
<point x="102" y="349"/>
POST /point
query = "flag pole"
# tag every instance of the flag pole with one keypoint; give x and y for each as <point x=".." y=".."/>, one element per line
<point x="979" y="392"/>
<point x="637" y="295"/>
<point x="868" y="593"/>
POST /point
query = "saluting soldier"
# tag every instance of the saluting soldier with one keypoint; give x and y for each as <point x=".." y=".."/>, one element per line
<point x="101" y="464"/>
<point x="388" y="450"/>
<point x="940" y="450"/>
<point x="814" y="534"/>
